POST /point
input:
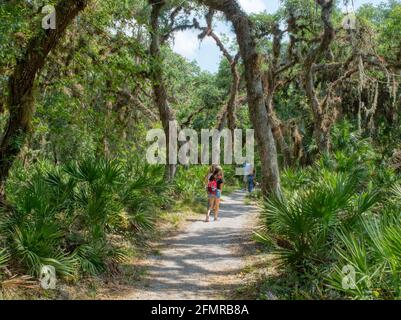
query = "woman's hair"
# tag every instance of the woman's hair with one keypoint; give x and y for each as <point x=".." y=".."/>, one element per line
<point x="221" y="171"/>
<point x="215" y="170"/>
<point x="215" y="173"/>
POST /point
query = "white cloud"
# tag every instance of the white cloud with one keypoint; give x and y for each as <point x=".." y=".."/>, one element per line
<point x="253" y="6"/>
<point x="186" y="44"/>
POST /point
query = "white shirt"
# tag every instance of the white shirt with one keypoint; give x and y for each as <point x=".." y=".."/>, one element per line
<point x="247" y="168"/>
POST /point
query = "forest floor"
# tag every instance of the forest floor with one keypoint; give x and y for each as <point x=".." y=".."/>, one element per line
<point x="202" y="260"/>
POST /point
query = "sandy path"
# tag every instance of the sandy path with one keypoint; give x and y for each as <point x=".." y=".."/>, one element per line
<point x="204" y="260"/>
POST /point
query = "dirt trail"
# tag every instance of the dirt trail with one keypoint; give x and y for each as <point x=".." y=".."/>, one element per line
<point x="204" y="260"/>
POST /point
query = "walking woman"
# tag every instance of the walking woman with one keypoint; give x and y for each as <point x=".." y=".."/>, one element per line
<point x="211" y="193"/>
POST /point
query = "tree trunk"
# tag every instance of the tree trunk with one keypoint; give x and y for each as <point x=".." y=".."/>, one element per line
<point x="159" y="89"/>
<point x="256" y="102"/>
<point x="322" y="137"/>
<point x="321" y="129"/>
<point x="21" y="83"/>
<point x="278" y="132"/>
<point x="270" y="84"/>
<point x="321" y="126"/>
<point x="298" y="152"/>
<point x="232" y="102"/>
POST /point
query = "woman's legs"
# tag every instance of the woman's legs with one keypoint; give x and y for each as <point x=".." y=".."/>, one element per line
<point x="216" y="210"/>
<point x="217" y="205"/>
<point x="212" y="203"/>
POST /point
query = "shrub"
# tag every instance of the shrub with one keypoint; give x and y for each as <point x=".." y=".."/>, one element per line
<point x="301" y="227"/>
<point x="67" y="216"/>
<point x="343" y="211"/>
<point x="189" y="184"/>
<point x="4" y="257"/>
<point x="374" y="254"/>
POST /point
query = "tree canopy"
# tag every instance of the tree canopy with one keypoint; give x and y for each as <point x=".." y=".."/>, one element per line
<point x="320" y="87"/>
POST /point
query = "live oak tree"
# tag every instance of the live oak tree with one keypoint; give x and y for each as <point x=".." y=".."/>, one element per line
<point x="20" y="102"/>
<point x="256" y="101"/>
<point x="158" y="39"/>
<point x="159" y="89"/>
<point x="275" y="74"/>
<point x="323" y="73"/>
<point x="322" y="118"/>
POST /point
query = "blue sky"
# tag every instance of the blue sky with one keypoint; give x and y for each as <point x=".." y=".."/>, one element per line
<point x="206" y="54"/>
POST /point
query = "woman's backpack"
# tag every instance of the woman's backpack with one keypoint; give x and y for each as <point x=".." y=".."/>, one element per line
<point x="212" y="186"/>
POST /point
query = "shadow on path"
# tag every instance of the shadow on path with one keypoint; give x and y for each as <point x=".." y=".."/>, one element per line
<point x="203" y="261"/>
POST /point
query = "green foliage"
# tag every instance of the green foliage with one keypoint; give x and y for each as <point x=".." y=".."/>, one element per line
<point x="145" y="191"/>
<point x="304" y="223"/>
<point x="190" y="184"/>
<point x="4" y="257"/>
<point x="293" y="178"/>
<point x="69" y="207"/>
<point x="338" y="215"/>
<point x="374" y="255"/>
<point x="66" y="215"/>
<point x="36" y="246"/>
<point x="72" y="216"/>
